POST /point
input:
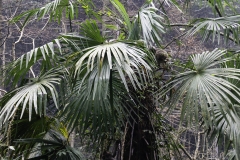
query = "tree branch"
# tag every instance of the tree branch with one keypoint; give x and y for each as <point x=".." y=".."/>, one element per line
<point x="197" y="145"/>
<point x="186" y="153"/>
<point x="174" y="39"/>
<point x="190" y="25"/>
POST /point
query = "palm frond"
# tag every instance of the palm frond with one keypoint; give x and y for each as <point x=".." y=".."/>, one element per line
<point x="217" y="27"/>
<point x="126" y="58"/>
<point x="54" y="9"/>
<point x="151" y="25"/>
<point x="203" y="86"/>
<point x="75" y="43"/>
<point x="206" y="88"/>
<point x="33" y="96"/>
<point x="226" y="128"/>
<point x="51" y="55"/>
<point x="90" y="29"/>
<point x="48" y="54"/>
<point x="100" y="100"/>
<point x="54" y="147"/>
<point x="121" y="9"/>
<point x="98" y="110"/>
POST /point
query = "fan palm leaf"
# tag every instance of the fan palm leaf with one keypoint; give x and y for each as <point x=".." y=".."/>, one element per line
<point x="151" y="25"/>
<point x="147" y="23"/>
<point x="227" y="25"/>
<point x="33" y="95"/>
<point x="90" y="29"/>
<point x="205" y="88"/>
<point x="54" y="9"/>
<point x="98" y="112"/>
<point x="226" y="128"/>
<point x="48" y="54"/>
<point x="51" y="54"/>
<point x="204" y="85"/>
<point x="126" y="58"/>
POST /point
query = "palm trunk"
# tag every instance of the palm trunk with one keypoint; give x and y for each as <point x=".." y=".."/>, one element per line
<point x="139" y="140"/>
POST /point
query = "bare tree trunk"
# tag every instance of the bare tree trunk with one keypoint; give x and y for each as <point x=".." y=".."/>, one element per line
<point x="104" y="17"/>
<point x="72" y="138"/>
<point x="65" y="30"/>
<point x="1" y="48"/>
<point x="1" y="28"/>
<point x="64" y="23"/>
<point x="196" y="153"/>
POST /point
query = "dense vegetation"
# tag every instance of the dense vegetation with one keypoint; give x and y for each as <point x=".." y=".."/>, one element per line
<point x="112" y="85"/>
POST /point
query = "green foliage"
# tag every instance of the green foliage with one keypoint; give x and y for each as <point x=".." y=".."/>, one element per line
<point x="220" y="27"/>
<point x="103" y="88"/>
<point x="206" y="89"/>
<point x="151" y="24"/>
<point x="32" y="96"/>
<point x="90" y="29"/>
<point x="54" y="147"/>
<point x="54" y="9"/>
<point x="121" y="9"/>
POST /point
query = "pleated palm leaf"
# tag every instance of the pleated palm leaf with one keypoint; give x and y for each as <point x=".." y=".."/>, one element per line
<point x="33" y="96"/>
<point x="98" y="113"/>
<point x="147" y="24"/>
<point x="54" y="9"/>
<point x="228" y="120"/>
<point x="151" y="24"/>
<point x="205" y="92"/>
<point x="226" y="129"/>
<point x="226" y="27"/>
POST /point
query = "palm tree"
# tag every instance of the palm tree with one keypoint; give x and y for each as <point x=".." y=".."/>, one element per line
<point x="103" y="88"/>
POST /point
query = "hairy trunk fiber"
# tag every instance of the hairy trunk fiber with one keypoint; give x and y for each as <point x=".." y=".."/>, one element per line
<point x="140" y="138"/>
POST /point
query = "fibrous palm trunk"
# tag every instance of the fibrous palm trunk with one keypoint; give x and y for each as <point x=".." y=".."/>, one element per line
<point x="140" y="140"/>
